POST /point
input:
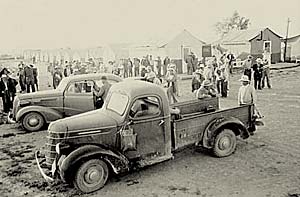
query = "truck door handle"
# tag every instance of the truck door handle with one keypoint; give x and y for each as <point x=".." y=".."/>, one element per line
<point x="161" y="122"/>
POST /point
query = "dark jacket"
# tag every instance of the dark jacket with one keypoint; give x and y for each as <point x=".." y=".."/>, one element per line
<point x="257" y="69"/>
<point x="11" y="87"/>
<point x="29" y="75"/>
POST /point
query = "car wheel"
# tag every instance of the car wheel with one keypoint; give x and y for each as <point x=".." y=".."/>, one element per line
<point x="91" y="176"/>
<point x="33" y="121"/>
<point x="225" y="143"/>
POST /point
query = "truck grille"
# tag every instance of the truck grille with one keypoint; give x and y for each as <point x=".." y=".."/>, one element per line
<point x="50" y="153"/>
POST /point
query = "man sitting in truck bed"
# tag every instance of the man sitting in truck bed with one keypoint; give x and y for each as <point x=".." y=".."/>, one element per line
<point x="206" y="90"/>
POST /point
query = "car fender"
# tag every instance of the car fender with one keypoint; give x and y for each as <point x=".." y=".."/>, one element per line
<point x="116" y="161"/>
<point x="49" y="114"/>
<point x="214" y="127"/>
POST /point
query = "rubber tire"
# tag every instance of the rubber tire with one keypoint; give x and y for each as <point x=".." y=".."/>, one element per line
<point x="79" y="179"/>
<point x="26" y="125"/>
<point x="232" y="147"/>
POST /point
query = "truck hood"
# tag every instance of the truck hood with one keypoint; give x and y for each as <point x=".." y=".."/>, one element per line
<point x="40" y="94"/>
<point x="89" y="121"/>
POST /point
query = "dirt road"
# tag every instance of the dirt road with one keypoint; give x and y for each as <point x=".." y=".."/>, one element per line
<point x="267" y="164"/>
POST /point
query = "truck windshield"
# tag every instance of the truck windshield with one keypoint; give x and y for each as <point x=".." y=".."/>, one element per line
<point x="118" y="102"/>
<point x="62" y="85"/>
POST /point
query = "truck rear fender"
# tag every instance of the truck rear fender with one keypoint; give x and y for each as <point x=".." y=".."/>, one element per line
<point x="215" y="127"/>
<point x="48" y="113"/>
<point x="116" y="161"/>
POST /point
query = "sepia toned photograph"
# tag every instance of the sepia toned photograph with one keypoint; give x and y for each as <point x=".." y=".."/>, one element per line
<point x="149" y="98"/>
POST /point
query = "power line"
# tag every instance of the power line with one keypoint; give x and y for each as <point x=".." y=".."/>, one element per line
<point x="286" y="38"/>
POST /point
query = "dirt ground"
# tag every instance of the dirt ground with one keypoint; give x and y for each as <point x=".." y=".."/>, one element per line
<point x="267" y="164"/>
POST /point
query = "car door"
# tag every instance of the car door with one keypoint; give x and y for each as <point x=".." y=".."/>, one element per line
<point x="78" y="97"/>
<point x="147" y="121"/>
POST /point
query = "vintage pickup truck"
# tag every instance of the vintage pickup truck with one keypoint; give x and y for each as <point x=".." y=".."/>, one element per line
<point x="135" y="128"/>
<point x="73" y="96"/>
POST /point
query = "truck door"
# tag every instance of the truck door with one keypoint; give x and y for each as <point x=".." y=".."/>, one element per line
<point x="148" y="122"/>
<point x="78" y="98"/>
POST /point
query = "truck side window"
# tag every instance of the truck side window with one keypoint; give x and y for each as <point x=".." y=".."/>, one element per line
<point x="145" y="107"/>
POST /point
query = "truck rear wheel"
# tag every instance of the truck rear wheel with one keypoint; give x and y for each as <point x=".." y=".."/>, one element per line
<point x="33" y="121"/>
<point x="91" y="176"/>
<point x="225" y="143"/>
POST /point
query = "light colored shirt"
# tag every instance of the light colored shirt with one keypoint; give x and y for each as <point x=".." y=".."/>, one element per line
<point x="247" y="95"/>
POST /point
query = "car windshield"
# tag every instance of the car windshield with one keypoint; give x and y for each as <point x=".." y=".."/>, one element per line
<point x="62" y="85"/>
<point x="118" y="103"/>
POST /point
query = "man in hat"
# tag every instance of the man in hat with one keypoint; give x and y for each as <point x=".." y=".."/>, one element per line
<point x="158" y="66"/>
<point x="257" y="70"/>
<point x="265" y="74"/>
<point x="57" y="76"/>
<point x="21" y="77"/>
<point x="189" y="64"/>
<point x="197" y="80"/>
<point x="136" y="62"/>
<point x="167" y="61"/>
<point x="206" y="90"/>
<point x="130" y="68"/>
<point x="172" y="90"/>
<point x="7" y="92"/>
<point x="247" y="93"/>
<point x="68" y="70"/>
<point x="150" y="75"/>
<point x="29" y="79"/>
<point x="35" y="76"/>
<point x="247" y="67"/>
<point x="101" y="92"/>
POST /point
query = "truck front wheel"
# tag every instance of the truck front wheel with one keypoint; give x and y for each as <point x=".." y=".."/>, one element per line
<point x="225" y="143"/>
<point x="91" y="176"/>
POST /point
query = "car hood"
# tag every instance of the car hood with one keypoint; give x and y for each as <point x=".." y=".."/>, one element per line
<point x="89" y="121"/>
<point x="40" y="94"/>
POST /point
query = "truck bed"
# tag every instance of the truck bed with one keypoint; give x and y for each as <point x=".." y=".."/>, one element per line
<point x="196" y="106"/>
<point x="189" y="129"/>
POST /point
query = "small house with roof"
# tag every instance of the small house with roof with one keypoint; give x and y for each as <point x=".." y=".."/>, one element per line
<point x="253" y="41"/>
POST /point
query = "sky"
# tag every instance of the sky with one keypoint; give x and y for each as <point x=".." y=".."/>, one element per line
<point x="89" y="23"/>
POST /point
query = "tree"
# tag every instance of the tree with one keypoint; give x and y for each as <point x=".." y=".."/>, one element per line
<point x="235" y="22"/>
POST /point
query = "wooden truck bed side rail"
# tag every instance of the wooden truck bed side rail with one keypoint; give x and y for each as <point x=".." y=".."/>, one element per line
<point x="189" y="130"/>
<point x="197" y="105"/>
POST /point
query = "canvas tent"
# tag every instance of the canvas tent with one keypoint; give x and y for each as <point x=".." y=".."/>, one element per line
<point x="176" y="45"/>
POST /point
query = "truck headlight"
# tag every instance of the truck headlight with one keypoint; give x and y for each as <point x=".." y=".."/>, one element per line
<point x="57" y="148"/>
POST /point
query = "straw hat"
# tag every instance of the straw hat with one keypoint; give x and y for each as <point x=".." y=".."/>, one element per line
<point x="244" y="78"/>
<point x="4" y="76"/>
<point x="258" y="60"/>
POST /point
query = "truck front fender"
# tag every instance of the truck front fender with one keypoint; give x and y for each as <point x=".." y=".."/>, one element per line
<point x="49" y="114"/>
<point x="214" y="127"/>
<point x="116" y="161"/>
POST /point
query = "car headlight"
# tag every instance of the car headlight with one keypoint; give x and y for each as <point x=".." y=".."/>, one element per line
<point x="57" y="148"/>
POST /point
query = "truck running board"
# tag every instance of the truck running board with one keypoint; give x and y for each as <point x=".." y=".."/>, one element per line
<point x="153" y="160"/>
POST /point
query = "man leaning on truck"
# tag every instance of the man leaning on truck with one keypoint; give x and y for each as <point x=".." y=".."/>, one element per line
<point x="101" y="92"/>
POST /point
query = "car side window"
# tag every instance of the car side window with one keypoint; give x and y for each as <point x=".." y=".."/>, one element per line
<point x="80" y="87"/>
<point x="145" y="107"/>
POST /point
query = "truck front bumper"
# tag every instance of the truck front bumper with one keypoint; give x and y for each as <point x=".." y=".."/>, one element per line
<point x="53" y="169"/>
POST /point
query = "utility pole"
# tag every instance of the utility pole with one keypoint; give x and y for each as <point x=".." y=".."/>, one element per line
<point x="286" y="38"/>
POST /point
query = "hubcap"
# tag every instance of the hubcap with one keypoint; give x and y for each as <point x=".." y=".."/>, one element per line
<point x="93" y="175"/>
<point x="33" y="121"/>
<point x="224" y="143"/>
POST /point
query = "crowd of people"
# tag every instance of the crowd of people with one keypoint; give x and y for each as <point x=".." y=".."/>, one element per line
<point x="210" y="77"/>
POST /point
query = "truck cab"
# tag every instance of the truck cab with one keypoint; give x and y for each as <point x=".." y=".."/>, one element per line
<point x="137" y="127"/>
